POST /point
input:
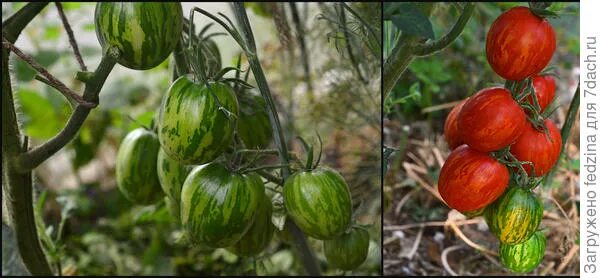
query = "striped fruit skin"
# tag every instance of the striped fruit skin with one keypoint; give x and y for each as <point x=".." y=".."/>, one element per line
<point x="519" y="44"/>
<point x="136" y="167"/>
<point x="219" y="206"/>
<point x="319" y="202"/>
<point x="451" y="132"/>
<point x="534" y="146"/>
<point x="191" y="129"/>
<point x="171" y="175"/>
<point x="515" y="216"/>
<point x="491" y="120"/>
<point x="471" y="180"/>
<point x="524" y="257"/>
<point x="474" y="213"/>
<point x="349" y="250"/>
<point x="256" y="239"/>
<point x="545" y="89"/>
<point x="254" y="126"/>
<point x="144" y="32"/>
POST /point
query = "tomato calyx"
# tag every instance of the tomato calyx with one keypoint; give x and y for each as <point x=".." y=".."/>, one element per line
<point x="310" y="164"/>
<point x="520" y="176"/>
<point x="540" y="9"/>
<point x="523" y="92"/>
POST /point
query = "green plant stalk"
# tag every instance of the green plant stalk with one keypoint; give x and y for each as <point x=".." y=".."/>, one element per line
<point x="406" y="50"/>
<point x="302" y="43"/>
<point x="17" y="187"/>
<point x="398" y="62"/>
<point x="29" y="160"/>
<point x="308" y="259"/>
<point x="564" y="134"/>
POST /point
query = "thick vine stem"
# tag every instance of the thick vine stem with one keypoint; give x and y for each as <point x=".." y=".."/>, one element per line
<point x="16" y="187"/>
<point x="409" y="47"/>
<point x="14" y="25"/>
<point x="247" y="38"/>
<point x="437" y="45"/>
<point x="31" y="159"/>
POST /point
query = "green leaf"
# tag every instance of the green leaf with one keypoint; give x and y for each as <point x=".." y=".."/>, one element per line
<point x="52" y="32"/>
<point x="71" y="6"/>
<point x="24" y="72"/>
<point x="153" y="214"/>
<point x="40" y="117"/>
<point x="411" y="20"/>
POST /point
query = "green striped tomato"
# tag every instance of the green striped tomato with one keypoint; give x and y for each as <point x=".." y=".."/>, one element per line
<point x="219" y="206"/>
<point x="524" y="257"/>
<point x="171" y="175"/>
<point x="349" y="250"/>
<point x="515" y="216"/>
<point x="254" y="126"/>
<point x="319" y="202"/>
<point x="260" y="233"/>
<point x="191" y="128"/>
<point x="136" y="167"/>
<point x="144" y="32"/>
<point x="474" y="213"/>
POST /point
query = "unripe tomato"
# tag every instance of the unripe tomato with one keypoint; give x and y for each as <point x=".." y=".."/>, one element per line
<point x="491" y="120"/>
<point x="470" y="180"/>
<point x="534" y="146"/>
<point x="451" y="133"/>
<point x="545" y="88"/>
<point x="519" y="44"/>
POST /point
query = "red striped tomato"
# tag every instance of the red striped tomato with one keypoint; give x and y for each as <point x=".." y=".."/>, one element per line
<point x="491" y="120"/>
<point x="534" y="146"/>
<point x="545" y="88"/>
<point x="519" y="44"/>
<point x="451" y="133"/>
<point x="470" y="180"/>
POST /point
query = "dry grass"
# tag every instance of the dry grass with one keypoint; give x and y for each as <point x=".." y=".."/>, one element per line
<point x="422" y="236"/>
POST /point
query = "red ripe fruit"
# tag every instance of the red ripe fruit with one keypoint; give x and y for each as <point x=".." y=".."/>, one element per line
<point x="519" y="44"/>
<point x="545" y="89"/>
<point x="534" y="146"/>
<point x="491" y="120"/>
<point x="471" y="180"/>
<point x="451" y="133"/>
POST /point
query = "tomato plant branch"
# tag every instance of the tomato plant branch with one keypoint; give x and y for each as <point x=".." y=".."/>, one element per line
<point x="564" y="133"/>
<point x="16" y="187"/>
<point x="249" y="46"/>
<point x="409" y="46"/>
<point x="72" y="40"/>
<point x="398" y="62"/>
<point x="12" y="27"/>
<point x="433" y="46"/>
<point x="34" y="157"/>
<point x="302" y="42"/>
<point x="62" y="88"/>
<point x="270" y="177"/>
<point x="349" y="46"/>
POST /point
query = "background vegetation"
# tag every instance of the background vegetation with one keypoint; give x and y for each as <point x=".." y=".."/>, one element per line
<point x="88" y="228"/>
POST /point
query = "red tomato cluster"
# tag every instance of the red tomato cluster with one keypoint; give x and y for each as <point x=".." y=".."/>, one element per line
<point x="519" y="45"/>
